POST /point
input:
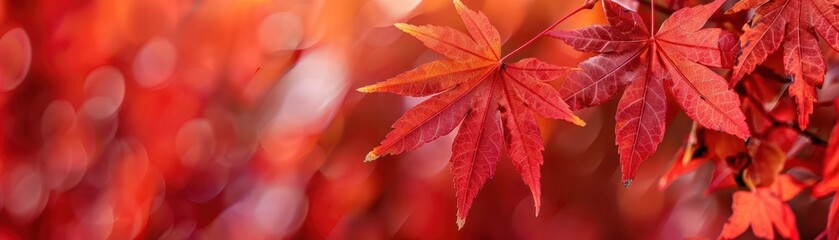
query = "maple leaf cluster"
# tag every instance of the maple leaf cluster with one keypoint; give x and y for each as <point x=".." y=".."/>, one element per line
<point x="743" y="123"/>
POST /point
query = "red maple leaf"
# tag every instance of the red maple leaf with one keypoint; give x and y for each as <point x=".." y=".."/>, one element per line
<point x="475" y="84"/>
<point x="794" y="23"/>
<point x="648" y="62"/>
<point x="763" y="208"/>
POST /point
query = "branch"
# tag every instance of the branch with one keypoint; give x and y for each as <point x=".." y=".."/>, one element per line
<point x="769" y="73"/>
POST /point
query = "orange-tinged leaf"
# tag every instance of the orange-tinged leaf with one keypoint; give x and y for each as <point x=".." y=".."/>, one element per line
<point x="764" y="209"/>
<point x="492" y="101"/>
<point x="676" y="58"/>
<point x="429" y="120"/>
<point x="722" y="145"/>
<point x="430" y="78"/>
<point x="446" y="41"/>
<point x="482" y="31"/>
<point x="532" y="68"/>
<point x="760" y="211"/>
<point x="794" y="23"/>
<point x="766" y="166"/>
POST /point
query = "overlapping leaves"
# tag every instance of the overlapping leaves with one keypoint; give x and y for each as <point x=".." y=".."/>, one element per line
<point x="494" y="102"/>
<point x="795" y="23"/>
<point x="648" y="64"/>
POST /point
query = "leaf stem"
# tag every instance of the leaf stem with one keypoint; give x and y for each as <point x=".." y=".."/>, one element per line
<point x="588" y="4"/>
<point x="661" y="8"/>
<point x="652" y="18"/>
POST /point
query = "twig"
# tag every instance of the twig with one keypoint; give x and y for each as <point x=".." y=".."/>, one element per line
<point x="769" y="73"/>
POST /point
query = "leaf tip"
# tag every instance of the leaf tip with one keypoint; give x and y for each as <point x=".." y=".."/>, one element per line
<point x="460" y="223"/>
<point x="371" y="156"/>
<point x="366" y="89"/>
<point x="578" y="121"/>
<point x="803" y="120"/>
<point x="403" y="26"/>
<point x="458" y="3"/>
<point x="627" y="182"/>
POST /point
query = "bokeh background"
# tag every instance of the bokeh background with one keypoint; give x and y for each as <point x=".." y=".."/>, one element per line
<point x="218" y="119"/>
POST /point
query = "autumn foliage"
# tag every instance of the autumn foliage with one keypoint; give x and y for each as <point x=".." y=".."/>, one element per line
<point x="380" y="119"/>
<point x="649" y="66"/>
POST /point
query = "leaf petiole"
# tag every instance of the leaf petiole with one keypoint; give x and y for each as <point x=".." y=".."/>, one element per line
<point x="588" y="4"/>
